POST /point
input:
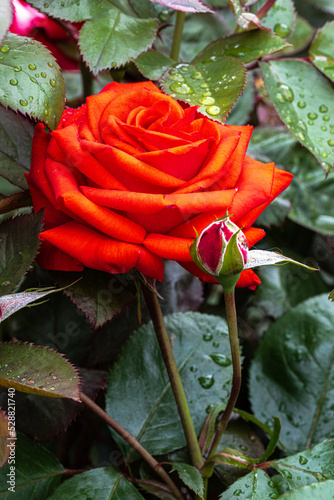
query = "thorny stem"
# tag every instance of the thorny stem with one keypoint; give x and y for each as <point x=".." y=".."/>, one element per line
<point x="177" y="37"/>
<point x="134" y="443"/>
<point x="236" y="378"/>
<point x="174" y="376"/>
<point x="263" y="11"/>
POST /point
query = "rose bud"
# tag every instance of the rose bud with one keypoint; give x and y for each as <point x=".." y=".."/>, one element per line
<point x="221" y="250"/>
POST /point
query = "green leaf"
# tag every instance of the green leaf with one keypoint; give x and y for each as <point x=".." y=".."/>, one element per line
<point x="304" y="100"/>
<point x="37" y="370"/>
<point x="273" y="441"/>
<point x="102" y="483"/>
<point x="214" y="85"/>
<point x="16" y="134"/>
<point x="309" y="466"/>
<point x="246" y="46"/>
<point x="255" y="486"/>
<point x="18" y="248"/>
<point x="98" y="294"/>
<point x="324" y="490"/>
<point x="326" y="5"/>
<point x="240" y="112"/>
<point x="152" y="64"/>
<point x="310" y="193"/>
<point x="69" y="10"/>
<point x="111" y="38"/>
<point x="293" y="370"/>
<point x="30" y="80"/>
<point x="6" y="17"/>
<point x="202" y="353"/>
<point x="37" y="472"/>
<point x="300" y="37"/>
<point x="320" y="52"/>
<point x="281" y="18"/>
<point x="7" y="431"/>
<point x="190" y="476"/>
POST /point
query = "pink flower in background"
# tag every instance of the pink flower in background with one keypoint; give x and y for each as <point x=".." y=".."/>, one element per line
<point x="30" y="22"/>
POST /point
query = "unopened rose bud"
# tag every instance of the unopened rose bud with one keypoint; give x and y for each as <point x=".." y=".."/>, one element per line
<point x="221" y="250"/>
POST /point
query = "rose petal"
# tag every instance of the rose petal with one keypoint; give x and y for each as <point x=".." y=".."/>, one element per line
<point x="169" y="247"/>
<point x="247" y="278"/>
<point x="97" y="251"/>
<point x="73" y="202"/>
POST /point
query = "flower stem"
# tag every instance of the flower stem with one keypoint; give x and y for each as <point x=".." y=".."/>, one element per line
<point x="174" y="376"/>
<point x="87" y="80"/>
<point x="177" y="37"/>
<point x="134" y="443"/>
<point x="236" y="379"/>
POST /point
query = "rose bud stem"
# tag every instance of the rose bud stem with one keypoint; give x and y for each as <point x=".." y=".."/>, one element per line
<point x="174" y="376"/>
<point x="231" y="317"/>
<point x="152" y="462"/>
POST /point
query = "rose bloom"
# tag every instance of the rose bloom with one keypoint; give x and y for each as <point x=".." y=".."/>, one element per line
<point x="130" y="177"/>
<point x="28" y="21"/>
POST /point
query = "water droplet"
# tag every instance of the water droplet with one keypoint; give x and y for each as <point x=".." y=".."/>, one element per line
<point x="23" y="102"/>
<point x="330" y="143"/>
<point x="181" y="88"/>
<point x="207" y="337"/>
<point x="271" y="484"/>
<point x="13" y="81"/>
<point x="287" y="92"/>
<point x="46" y="5"/>
<point x="287" y="474"/>
<point x="37" y="75"/>
<point x="273" y="495"/>
<point x="17" y="69"/>
<point x="184" y="68"/>
<point x="206" y="381"/>
<point x="323" y="128"/>
<point x="237" y="493"/>
<point x="5" y="48"/>
<point x="197" y="75"/>
<point x="312" y="116"/>
<point x="213" y="110"/>
<point x="209" y="408"/>
<point x="33" y="79"/>
<point x="53" y="82"/>
<point x="193" y="369"/>
<point x="301" y="136"/>
<point x="302" y="460"/>
<point x="215" y="344"/>
<point x="31" y="98"/>
<point x="220" y="359"/>
<point x="62" y="4"/>
<point x="52" y="388"/>
<point x="43" y="74"/>
<point x="32" y="66"/>
<point x="206" y="100"/>
<point x="176" y="76"/>
<point x="326" y="118"/>
<point x="50" y="64"/>
<point x="114" y="64"/>
<point x="23" y="379"/>
<point x="323" y="108"/>
<point x="243" y="447"/>
<point x="324" y="155"/>
<point x="301" y="104"/>
<point x="282" y="30"/>
<point x="279" y="97"/>
<point x="204" y="86"/>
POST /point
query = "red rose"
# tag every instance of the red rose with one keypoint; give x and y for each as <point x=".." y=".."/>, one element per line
<point x="30" y="22"/>
<point x="127" y="180"/>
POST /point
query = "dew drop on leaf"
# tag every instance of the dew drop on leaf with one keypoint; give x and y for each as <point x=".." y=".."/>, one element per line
<point x="23" y="102"/>
<point x="32" y="66"/>
<point x="13" y="81"/>
<point x="213" y="110"/>
<point x="206" y="381"/>
<point x="220" y="359"/>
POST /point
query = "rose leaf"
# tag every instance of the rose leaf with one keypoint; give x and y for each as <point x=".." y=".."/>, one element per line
<point x="293" y="370"/>
<point x="112" y="38"/>
<point x="213" y="85"/>
<point x="152" y="64"/>
<point x="246" y="46"/>
<point x="100" y="483"/>
<point x="100" y="295"/>
<point x="255" y="485"/>
<point x="184" y="5"/>
<point x="281" y="18"/>
<point x="37" y="370"/>
<point x="304" y="99"/>
<point x="320" y="51"/>
<point x="69" y="10"/>
<point x="323" y="490"/>
<point x="18" y="248"/>
<point x="37" y="471"/>
<point x="202" y="353"/>
<point x="31" y="80"/>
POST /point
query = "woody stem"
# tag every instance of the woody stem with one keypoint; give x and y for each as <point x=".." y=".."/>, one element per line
<point x="174" y="376"/>
<point x="134" y="443"/>
<point x="231" y="316"/>
<point x="177" y="36"/>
